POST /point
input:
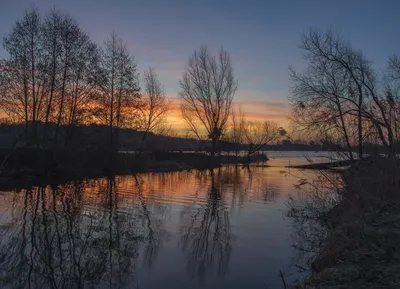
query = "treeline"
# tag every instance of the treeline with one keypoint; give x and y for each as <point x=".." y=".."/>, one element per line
<point x="342" y="98"/>
<point x="55" y="73"/>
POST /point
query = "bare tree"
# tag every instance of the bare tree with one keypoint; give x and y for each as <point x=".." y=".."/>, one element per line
<point x="119" y="84"/>
<point x="154" y="108"/>
<point x="319" y="95"/>
<point x="340" y="85"/>
<point x="392" y="91"/>
<point x="255" y="135"/>
<point x="109" y="62"/>
<point x="208" y="86"/>
<point x="51" y="33"/>
<point x="13" y="100"/>
<point x="24" y="80"/>
<point x="70" y="36"/>
<point x="83" y="72"/>
<point x="259" y="134"/>
<point x="237" y="128"/>
<point x="49" y="74"/>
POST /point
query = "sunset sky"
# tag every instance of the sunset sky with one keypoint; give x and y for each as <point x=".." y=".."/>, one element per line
<point x="262" y="37"/>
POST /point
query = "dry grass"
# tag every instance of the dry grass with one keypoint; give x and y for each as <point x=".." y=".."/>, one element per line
<point x="360" y="246"/>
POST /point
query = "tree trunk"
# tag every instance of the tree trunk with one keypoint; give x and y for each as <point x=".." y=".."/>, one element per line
<point x="71" y="120"/>
<point x="111" y="112"/>
<point x="119" y="111"/>
<point x="53" y="80"/>
<point x="112" y="96"/>
<point x="345" y="131"/>
<point x="33" y="90"/>
<point x="360" y="129"/>
<point x="392" y="151"/>
<point x="142" y="142"/>
<point x="213" y="147"/>
<point x="26" y="109"/>
<point x="60" y="111"/>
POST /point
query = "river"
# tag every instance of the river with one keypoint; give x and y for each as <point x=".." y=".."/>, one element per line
<point x="225" y="228"/>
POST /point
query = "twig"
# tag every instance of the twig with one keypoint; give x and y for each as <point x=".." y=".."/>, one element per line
<point x="283" y="279"/>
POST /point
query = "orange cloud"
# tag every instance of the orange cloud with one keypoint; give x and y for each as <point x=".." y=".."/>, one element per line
<point x="277" y="111"/>
<point x="255" y="110"/>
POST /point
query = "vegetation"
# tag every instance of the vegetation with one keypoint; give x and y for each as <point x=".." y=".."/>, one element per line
<point x="207" y="89"/>
<point x="56" y="80"/>
<point x="81" y="104"/>
<point x="254" y="135"/>
<point x="341" y="97"/>
<point x="349" y="232"/>
<point x="154" y="108"/>
<point x="56" y="74"/>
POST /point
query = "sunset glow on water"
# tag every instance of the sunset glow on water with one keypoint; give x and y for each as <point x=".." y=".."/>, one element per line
<point x="156" y="230"/>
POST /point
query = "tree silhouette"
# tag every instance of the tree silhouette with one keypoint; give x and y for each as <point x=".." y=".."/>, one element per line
<point x="208" y="86"/>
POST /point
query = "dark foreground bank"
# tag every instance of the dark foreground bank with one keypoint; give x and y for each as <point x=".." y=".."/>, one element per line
<point x="361" y="244"/>
<point x="32" y="162"/>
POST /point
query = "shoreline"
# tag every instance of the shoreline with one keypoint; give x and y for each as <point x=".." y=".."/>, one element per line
<point x="29" y="165"/>
<point x="324" y="166"/>
<point x="361" y="247"/>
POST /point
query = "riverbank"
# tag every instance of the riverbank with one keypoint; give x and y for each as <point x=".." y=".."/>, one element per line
<point x="361" y="244"/>
<point x="30" y="163"/>
<point x="324" y="166"/>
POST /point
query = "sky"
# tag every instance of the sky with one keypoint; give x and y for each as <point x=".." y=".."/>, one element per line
<point x="262" y="37"/>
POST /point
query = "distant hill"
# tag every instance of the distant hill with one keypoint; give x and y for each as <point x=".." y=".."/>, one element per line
<point x="96" y="136"/>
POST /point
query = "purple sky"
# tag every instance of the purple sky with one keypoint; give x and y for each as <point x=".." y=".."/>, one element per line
<point x="262" y="36"/>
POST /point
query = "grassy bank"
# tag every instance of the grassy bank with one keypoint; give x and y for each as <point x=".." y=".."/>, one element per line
<point x="358" y="244"/>
<point x="22" y="163"/>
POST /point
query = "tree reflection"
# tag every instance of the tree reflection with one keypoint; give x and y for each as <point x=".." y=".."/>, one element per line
<point x="62" y="245"/>
<point x="206" y="235"/>
<point x="244" y="182"/>
<point x="154" y="227"/>
<point x="91" y="233"/>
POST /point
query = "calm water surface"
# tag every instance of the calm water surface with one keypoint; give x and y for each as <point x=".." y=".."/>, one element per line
<point x="201" y="229"/>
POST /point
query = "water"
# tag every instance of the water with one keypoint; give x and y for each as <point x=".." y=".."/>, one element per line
<point x="201" y="229"/>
